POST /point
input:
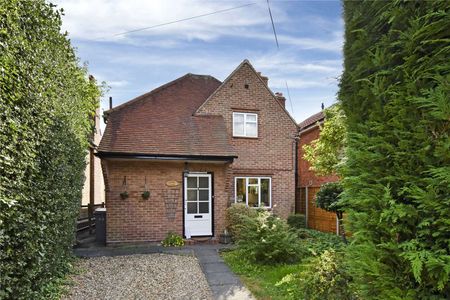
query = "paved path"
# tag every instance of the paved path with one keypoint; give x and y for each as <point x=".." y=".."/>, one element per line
<point x="223" y="283"/>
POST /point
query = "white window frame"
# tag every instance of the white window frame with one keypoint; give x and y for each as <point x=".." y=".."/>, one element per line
<point x="245" y="123"/>
<point x="259" y="189"/>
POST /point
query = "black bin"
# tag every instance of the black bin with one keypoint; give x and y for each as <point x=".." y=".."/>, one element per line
<point x="100" y="225"/>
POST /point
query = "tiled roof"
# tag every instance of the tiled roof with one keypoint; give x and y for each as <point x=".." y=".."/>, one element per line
<point x="161" y="122"/>
<point x="311" y="120"/>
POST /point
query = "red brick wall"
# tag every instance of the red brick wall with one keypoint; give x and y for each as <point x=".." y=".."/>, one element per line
<point x="135" y="219"/>
<point x="272" y="153"/>
<point x="318" y="219"/>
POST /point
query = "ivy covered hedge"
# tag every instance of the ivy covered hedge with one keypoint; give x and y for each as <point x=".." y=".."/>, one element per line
<point x="395" y="92"/>
<point x="47" y="103"/>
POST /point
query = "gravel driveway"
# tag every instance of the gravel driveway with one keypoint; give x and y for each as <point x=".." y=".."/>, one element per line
<point x="149" y="276"/>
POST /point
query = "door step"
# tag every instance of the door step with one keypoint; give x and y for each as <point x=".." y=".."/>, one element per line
<point x="201" y="241"/>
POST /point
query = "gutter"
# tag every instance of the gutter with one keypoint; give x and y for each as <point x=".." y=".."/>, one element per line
<point x="168" y="157"/>
<point x="311" y="127"/>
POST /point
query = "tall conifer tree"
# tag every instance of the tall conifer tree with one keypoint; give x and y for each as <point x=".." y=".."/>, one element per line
<point x="395" y="92"/>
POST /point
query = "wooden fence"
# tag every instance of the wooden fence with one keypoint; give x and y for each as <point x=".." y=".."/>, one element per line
<point x="317" y="218"/>
<point x="86" y="218"/>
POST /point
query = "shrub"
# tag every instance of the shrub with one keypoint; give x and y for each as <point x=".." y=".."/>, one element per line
<point x="395" y="94"/>
<point x="173" y="240"/>
<point x="235" y="217"/>
<point x="268" y="239"/>
<point x="297" y="221"/>
<point x="47" y="104"/>
<point x="325" y="278"/>
<point x="316" y="242"/>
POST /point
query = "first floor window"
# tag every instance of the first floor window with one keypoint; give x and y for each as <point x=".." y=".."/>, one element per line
<point x="253" y="191"/>
<point x="245" y="124"/>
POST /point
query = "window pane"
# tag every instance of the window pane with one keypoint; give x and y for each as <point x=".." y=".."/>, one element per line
<point x="253" y="196"/>
<point x="251" y="129"/>
<point x="203" y="195"/>
<point x="203" y="182"/>
<point x="238" y="124"/>
<point x="192" y="207"/>
<point x="203" y="207"/>
<point x="240" y="190"/>
<point x="192" y="195"/>
<point x="251" y="118"/>
<point x="253" y="181"/>
<point x="192" y="182"/>
<point x="265" y="193"/>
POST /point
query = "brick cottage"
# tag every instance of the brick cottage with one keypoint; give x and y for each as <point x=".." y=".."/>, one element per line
<point x="308" y="183"/>
<point x="197" y="145"/>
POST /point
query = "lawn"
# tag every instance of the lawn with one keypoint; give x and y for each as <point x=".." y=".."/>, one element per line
<point x="266" y="281"/>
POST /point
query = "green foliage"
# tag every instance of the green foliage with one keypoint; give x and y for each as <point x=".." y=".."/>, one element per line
<point x="324" y="277"/>
<point x="173" y="240"/>
<point x="395" y="93"/>
<point x="326" y="154"/>
<point x="268" y="239"/>
<point x="47" y="105"/>
<point x="296" y="221"/>
<point x="282" y="281"/>
<point x="315" y="242"/>
<point x="235" y="218"/>
<point x="328" y="197"/>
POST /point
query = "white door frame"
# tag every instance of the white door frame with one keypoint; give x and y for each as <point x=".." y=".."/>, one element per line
<point x="198" y="223"/>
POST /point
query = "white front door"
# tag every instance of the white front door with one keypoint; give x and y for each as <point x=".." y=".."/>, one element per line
<point x="197" y="205"/>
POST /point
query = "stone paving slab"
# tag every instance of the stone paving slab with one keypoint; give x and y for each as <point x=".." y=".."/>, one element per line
<point x="224" y="284"/>
<point x="215" y="267"/>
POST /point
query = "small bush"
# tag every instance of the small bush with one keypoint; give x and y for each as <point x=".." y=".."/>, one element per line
<point x="297" y="221"/>
<point x="316" y="242"/>
<point x="235" y="218"/>
<point x="325" y="278"/>
<point x="173" y="240"/>
<point x="268" y="239"/>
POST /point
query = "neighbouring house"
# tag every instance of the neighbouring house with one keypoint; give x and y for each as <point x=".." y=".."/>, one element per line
<point x="308" y="183"/>
<point x="94" y="187"/>
<point x="197" y="145"/>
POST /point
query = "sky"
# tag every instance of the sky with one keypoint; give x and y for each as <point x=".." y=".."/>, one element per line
<point x="309" y="57"/>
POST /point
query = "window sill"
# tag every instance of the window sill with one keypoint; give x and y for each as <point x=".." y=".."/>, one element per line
<point x="246" y="137"/>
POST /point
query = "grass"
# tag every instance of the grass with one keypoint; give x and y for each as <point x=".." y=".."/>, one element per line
<point x="261" y="280"/>
<point x="264" y="280"/>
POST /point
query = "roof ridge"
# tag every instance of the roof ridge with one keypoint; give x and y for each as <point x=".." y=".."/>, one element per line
<point x="155" y="90"/>
<point x="246" y="61"/>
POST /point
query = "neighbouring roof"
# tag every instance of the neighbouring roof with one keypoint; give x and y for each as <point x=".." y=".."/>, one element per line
<point x="320" y="116"/>
<point x="161" y="122"/>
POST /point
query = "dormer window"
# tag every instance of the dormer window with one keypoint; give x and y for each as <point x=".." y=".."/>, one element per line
<point x="245" y="124"/>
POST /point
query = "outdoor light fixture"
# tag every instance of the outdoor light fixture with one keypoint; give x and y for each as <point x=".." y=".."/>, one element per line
<point x="186" y="170"/>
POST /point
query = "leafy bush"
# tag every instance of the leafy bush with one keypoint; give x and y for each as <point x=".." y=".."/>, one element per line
<point x="325" y="277"/>
<point x="297" y="221"/>
<point x="268" y="239"/>
<point x="328" y="196"/>
<point x="316" y="242"/>
<point x="47" y="104"/>
<point x="173" y="240"/>
<point x="395" y="94"/>
<point x="235" y="217"/>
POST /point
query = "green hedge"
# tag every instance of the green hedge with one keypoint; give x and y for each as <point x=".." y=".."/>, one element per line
<point x="46" y="107"/>
<point x="395" y="92"/>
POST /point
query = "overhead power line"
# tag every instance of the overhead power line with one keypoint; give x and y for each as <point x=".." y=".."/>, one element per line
<point x="182" y="20"/>
<point x="273" y="24"/>
<point x="289" y="96"/>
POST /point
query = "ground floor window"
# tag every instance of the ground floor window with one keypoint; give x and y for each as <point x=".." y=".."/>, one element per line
<point x="253" y="191"/>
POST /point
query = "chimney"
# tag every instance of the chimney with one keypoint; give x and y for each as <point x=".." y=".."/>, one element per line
<point x="280" y="98"/>
<point x="110" y="102"/>
<point x="264" y="78"/>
